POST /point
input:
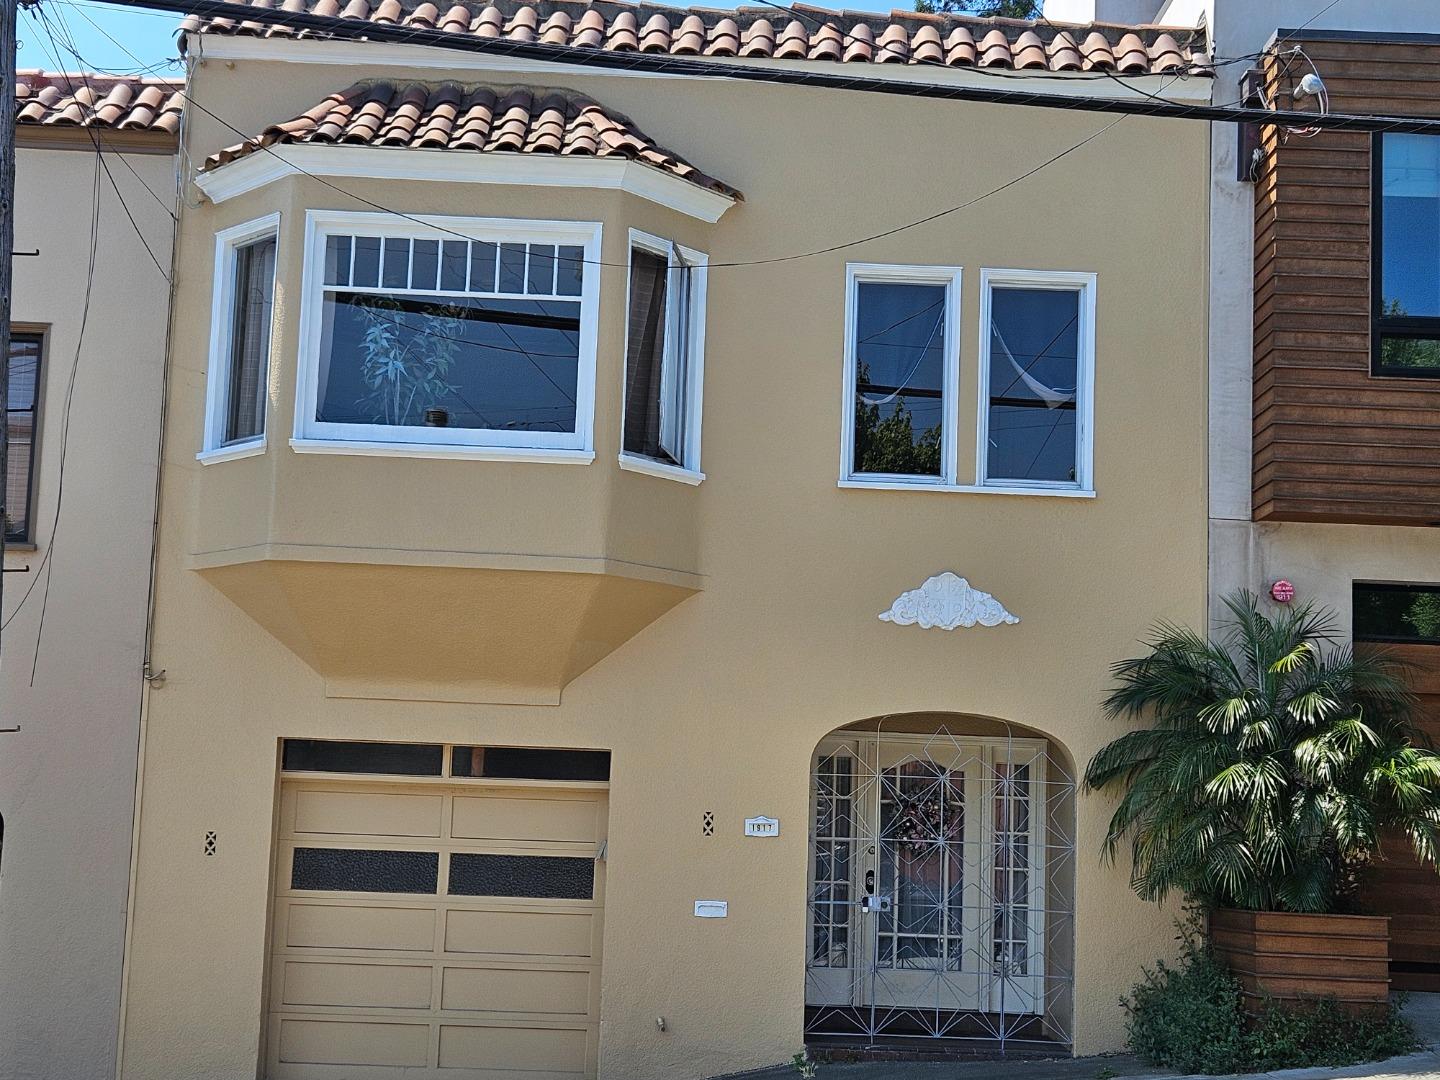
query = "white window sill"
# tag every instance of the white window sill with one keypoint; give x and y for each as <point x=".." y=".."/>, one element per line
<point x="434" y="450"/>
<point x="230" y="453"/>
<point x="631" y="463"/>
<point x="969" y="489"/>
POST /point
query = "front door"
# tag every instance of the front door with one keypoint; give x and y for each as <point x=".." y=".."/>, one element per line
<point x="926" y="879"/>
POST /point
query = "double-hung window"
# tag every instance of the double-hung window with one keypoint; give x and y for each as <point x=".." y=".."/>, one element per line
<point x="22" y="402"/>
<point x="242" y="315"/>
<point x="1406" y="239"/>
<point x="1036" y="371"/>
<point x="664" y="335"/>
<point x="448" y="336"/>
<point x="901" y="375"/>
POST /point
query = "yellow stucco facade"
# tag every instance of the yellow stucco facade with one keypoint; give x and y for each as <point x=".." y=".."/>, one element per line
<point x="708" y="636"/>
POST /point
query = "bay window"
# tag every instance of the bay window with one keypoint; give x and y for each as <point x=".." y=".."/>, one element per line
<point x="448" y="335"/>
<point x="664" y="335"/>
<point x="1406" y="230"/>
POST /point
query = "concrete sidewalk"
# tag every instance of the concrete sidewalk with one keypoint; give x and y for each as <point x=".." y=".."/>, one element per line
<point x="1423" y="1010"/>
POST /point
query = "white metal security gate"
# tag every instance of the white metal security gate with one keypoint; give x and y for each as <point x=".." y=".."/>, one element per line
<point x="939" y="886"/>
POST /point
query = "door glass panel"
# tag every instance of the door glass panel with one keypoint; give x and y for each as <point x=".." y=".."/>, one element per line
<point x="1012" y="869"/>
<point x="355" y="870"/>
<point x="833" y="861"/>
<point x="922" y="822"/>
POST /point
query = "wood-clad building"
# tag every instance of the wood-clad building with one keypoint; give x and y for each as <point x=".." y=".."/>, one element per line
<point x="1346" y="429"/>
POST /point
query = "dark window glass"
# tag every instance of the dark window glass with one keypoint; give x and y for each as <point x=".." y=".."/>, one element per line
<point x="524" y="763"/>
<point x="22" y="408"/>
<point x="399" y="759"/>
<point x="250" y="340"/>
<point x="482" y="266"/>
<point x="512" y="268"/>
<point x="337" y="260"/>
<point x="1397" y="613"/>
<point x="395" y="272"/>
<point x="1407" y="295"/>
<point x="426" y="268"/>
<point x="509" y="365"/>
<point x="352" y="870"/>
<point x="570" y="272"/>
<point x="1034" y="365"/>
<point x="899" y="378"/>
<point x="644" y="356"/>
<point x="547" y="877"/>
<point x="454" y="263"/>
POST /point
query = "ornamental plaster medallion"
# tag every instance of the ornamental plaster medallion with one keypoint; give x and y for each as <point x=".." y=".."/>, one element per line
<point x="945" y="602"/>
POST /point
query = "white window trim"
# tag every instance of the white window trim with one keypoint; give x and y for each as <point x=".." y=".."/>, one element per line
<point x="312" y="436"/>
<point x="948" y="276"/>
<point x="1066" y="281"/>
<point x="690" y="472"/>
<point x="222" y="331"/>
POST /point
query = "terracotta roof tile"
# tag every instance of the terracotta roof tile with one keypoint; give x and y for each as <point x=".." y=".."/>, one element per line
<point x="816" y="34"/>
<point x="487" y="119"/>
<point x="79" y="99"/>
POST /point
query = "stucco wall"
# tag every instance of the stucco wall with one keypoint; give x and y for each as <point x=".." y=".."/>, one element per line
<point x="67" y="778"/>
<point x="719" y="704"/>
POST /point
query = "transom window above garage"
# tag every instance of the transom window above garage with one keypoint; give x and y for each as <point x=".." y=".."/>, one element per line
<point x="429" y="759"/>
<point x="460" y="333"/>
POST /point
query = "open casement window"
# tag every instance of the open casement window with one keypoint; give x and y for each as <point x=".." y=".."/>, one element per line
<point x="1036" y="371"/>
<point x="467" y="334"/>
<point x="901" y="374"/>
<point x="240" y="337"/>
<point x="663" y="353"/>
<point x="1406" y="230"/>
<point x="22" y="406"/>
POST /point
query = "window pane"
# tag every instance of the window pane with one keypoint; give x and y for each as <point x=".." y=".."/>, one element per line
<point x="571" y="271"/>
<point x="350" y="870"/>
<point x="367" y="262"/>
<point x="337" y="260"/>
<point x="1410" y="217"/>
<point x="250" y="340"/>
<point x="899" y="378"/>
<point x="1034" y="361"/>
<point x="399" y="759"/>
<point x="482" y="266"/>
<point x="644" y="351"/>
<point x="524" y="763"/>
<point x="454" y="260"/>
<point x="512" y="268"/>
<point x="395" y="272"/>
<point x="1397" y="613"/>
<point x="1399" y="355"/>
<point x="544" y="876"/>
<point x="426" y="268"/>
<point x="21" y="402"/>
<point x="540" y="277"/>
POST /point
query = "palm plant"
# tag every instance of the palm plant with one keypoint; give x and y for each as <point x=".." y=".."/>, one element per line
<point x="1273" y="761"/>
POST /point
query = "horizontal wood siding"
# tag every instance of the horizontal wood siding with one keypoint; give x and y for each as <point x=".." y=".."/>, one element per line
<point x="1331" y="441"/>
<point x="1288" y="957"/>
<point x="1399" y="886"/>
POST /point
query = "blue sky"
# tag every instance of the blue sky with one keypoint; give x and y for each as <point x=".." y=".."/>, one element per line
<point x="143" y="38"/>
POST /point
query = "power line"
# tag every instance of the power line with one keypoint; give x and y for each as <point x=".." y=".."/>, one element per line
<point x="341" y="29"/>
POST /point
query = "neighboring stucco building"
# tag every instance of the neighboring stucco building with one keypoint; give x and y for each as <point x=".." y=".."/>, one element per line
<point x="513" y="723"/>
<point x="86" y="377"/>
<point x="1324" y="362"/>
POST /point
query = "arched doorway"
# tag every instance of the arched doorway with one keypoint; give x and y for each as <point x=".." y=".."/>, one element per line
<point x="941" y="885"/>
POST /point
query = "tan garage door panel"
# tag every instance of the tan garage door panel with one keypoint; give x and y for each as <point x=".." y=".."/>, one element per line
<point x="515" y="990"/>
<point x="368" y="813"/>
<point x="333" y="926"/>
<point x="358" y="986"/>
<point x="436" y="931"/>
<point x="520" y="933"/>
<point x="563" y="820"/>
<point x="349" y="1042"/>
<point x="536" y="1051"/>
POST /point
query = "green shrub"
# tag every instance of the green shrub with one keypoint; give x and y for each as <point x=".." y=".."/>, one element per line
<point x="1190" y="1017"/>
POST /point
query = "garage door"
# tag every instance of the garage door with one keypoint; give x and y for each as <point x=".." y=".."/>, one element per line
<point x="436" y="930"/>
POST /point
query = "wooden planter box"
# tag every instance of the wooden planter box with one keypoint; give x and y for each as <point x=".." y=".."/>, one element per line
<point x="1292" y="958"/>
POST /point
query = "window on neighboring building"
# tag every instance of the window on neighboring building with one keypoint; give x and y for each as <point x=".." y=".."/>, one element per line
<point x="21" y="406"/>
<point x="901" y="371"/>
<point x="1406" y="290"/>
<point x="419" y="335"/>
<point x="663" y="352"/>
<point x="240" y="339"/>
<point x="1036" y="349"/>
<point x="1397" y="613"/>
